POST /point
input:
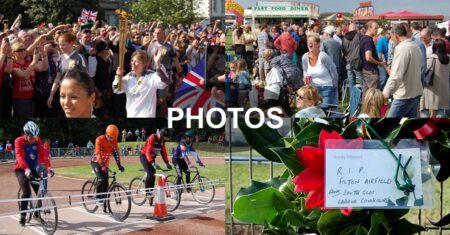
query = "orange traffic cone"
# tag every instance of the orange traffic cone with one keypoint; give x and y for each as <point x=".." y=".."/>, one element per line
<point x="160" y="210"/>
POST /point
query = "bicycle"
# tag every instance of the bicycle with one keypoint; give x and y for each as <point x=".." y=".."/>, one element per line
<point x="202" y="189"/>
<point x="116" y="197"/>
<point x="48" y="215"/>
<point x="137" y="186"/>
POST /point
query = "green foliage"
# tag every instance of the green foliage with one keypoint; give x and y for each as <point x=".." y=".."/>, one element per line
<point x="168" y="11"/>
<point x="66" y="11"/>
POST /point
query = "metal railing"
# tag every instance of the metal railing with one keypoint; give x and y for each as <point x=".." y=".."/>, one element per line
<point x="231" y="223"/>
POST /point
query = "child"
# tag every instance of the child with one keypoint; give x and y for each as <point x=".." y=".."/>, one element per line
<point x="372" y="104"/>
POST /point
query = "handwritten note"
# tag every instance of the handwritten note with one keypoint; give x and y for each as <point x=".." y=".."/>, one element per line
<point x="365" y="178"/>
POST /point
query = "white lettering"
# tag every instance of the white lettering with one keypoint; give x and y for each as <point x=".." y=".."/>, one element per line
<point x="223" y="118"/>
<point x="171" y="118"/>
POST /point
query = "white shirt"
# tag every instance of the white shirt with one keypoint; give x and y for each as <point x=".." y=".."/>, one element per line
<point x="320" y="76"/>
<point x="141" y="94"/>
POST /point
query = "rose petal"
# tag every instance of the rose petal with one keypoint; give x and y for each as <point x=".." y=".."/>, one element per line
<point x="309" y="180"/>
<point x="346" y="211"/>
<point x="315" y="199"/>
<point x="312" y="157"/>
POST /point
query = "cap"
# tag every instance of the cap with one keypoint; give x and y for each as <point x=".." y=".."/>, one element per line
<point x="329" y="29"/>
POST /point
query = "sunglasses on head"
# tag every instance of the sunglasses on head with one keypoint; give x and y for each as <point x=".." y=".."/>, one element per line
<point x="20" y="50"/>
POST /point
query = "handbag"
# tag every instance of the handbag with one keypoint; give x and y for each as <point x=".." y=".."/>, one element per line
<point x="429" y="74"/>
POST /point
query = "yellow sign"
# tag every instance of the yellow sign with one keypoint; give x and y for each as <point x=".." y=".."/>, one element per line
<point x="232" y="5"/>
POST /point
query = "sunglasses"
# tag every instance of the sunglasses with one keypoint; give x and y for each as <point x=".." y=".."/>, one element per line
<point x="303" y="98"/>
<point x="20" y="50"/>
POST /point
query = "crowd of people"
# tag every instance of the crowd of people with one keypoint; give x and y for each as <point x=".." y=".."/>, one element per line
<point x="401" y="70"/>
<point x="71" y="70"/>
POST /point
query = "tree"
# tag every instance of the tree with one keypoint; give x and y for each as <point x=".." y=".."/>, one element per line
<point x="168" y="11"/>
<point x="66" y="11"/>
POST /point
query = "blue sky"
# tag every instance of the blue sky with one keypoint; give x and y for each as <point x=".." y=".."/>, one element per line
<point x="440" y="7"/>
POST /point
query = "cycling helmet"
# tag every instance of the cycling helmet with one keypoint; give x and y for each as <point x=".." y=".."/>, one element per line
<point x="189" y="133"/>
<point x="31" y="129"/>
<point x="112" y="131"/>
<point x="164" y="132"/>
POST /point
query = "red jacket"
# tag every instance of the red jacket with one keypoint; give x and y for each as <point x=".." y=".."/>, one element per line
<point x="20" y="153"/>
<point x="151" y="145"/>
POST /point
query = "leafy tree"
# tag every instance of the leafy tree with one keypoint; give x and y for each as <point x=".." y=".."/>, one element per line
<point x="168" y="11"/>
<point x="55" y="11"/>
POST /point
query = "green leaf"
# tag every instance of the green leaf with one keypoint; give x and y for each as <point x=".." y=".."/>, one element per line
<point x="379" y="223"/>
<point x="350" y="230"/>
<point x="287" y="189"/>
<point x="353" y="130"/>
<point x="395" y="214"/>
<point x="294" y="218"/>
<point x="262" y="139"/>
<point x="310" y="134"/>
<point x="331" y="222"/>
<point x="361" y="230"/>
<point x="405" y="227"/>
<point x="443" y="222"/>
<point x="260" y="207"/>
<point x="289" y="157"/>
<point x="254" y="187"/>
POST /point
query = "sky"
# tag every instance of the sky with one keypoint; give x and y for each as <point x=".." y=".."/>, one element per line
<point x="439" y="7"/>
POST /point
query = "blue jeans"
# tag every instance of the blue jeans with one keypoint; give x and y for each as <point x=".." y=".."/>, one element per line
<point x="329" y="95"/>
<point x="404" y="108"/>
<point x="383" y="76"/>
<point x="353" y="76"/>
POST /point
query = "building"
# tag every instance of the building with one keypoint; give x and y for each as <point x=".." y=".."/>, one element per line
<point x="108" y="7"/>
<point x="286" y="11"/>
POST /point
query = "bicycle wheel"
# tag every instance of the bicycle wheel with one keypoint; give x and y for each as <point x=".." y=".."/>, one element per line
<point x="89" y="200"/>
<point x="137" y="187"/>
<point x="48" y="215"/>
<point x="203" y="190"/>
<point x="29" y="206"/>
<point x="119" y="202"/>
<point x="173" y="196"/>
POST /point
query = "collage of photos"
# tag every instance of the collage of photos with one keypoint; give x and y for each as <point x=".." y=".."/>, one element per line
<point x="224" y="117"/>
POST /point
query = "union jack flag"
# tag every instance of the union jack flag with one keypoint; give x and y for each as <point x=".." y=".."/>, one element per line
<point x="89" y="15"/>
<point x="191" y="94"/>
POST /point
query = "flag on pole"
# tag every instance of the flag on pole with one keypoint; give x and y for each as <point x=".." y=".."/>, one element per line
<point x="191" y="94"/>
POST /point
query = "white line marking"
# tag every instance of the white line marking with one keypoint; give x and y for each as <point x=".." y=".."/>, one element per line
<point x="93" y="214"/>
<point x="32" y="226"/>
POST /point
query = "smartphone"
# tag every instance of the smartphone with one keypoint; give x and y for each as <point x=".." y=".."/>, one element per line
<point x="215" y="66"/>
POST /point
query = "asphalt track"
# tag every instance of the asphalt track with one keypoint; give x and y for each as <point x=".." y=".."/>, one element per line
<point x="190" y="217"/>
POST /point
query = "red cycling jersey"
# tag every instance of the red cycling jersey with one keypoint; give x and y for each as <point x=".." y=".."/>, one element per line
<point x="21" y="153"/>
<point x="104" y="149"/>
<point x="151" y="146"/>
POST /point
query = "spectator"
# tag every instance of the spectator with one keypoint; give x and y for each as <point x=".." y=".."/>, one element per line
<point x="383" y="51"/>
<point x="124" y="135"/>
<point x="5" y="68"/>
<point x="239" y="43"/>
<point x="370" y="58"/>
<point x="351" y="52"/>
<point x="263" y="43"/>
<point x="90" y="147"/>
<point x="144" y="134"/>
<point x="129" y="136"/>
<point x="372" y="104"/>
<point x="332" y="48"/>
<point x="308" y="101"/>
<point x="415" y="27"/>
<point x="425" y="36"/>
<point x="249" y="39"/>
<point x="137" y="133"/>
<point x="404" y="82"/>
<point x="435" y="99"/>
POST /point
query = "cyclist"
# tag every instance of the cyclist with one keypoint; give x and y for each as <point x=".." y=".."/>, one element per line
<point x="155" y="143"/>
<point x="180" y="157"/>
<point x="105" y="146"/>
<point x="31" y="159"/>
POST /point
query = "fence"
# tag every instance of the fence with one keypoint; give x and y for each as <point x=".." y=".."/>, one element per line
<point x="231" y="223"/>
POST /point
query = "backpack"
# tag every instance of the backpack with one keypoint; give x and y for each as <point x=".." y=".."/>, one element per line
<point x="290" y="72"/>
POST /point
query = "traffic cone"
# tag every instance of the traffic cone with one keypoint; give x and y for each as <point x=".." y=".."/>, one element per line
<point x="160" y="210"/>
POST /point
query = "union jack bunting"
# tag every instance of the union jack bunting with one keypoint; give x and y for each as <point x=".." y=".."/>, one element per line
<point x="89" y="15"/>
<point x="191" y="94"/>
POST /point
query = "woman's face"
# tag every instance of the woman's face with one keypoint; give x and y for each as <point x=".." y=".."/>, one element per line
<point x="303" y="101"/>
<point x="313" y="45"/>
<point x="20" y="52"/>
<point x="137" y="65"/>
<point x="65" y="47"/>
<point x="74" y="99"/>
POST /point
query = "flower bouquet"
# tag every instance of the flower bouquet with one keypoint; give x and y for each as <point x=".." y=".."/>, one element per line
<point x="293" y="203"/>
